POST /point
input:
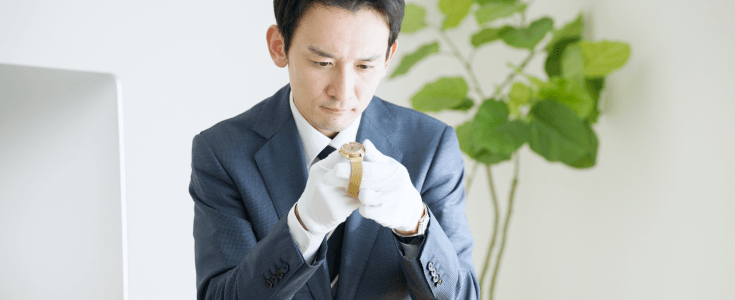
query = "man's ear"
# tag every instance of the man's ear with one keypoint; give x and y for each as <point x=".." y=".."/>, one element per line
<point x="390" y="56"/>
<point x="277" y="46"/>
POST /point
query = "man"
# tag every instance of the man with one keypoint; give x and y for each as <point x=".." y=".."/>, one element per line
<point x="273" y="217"/>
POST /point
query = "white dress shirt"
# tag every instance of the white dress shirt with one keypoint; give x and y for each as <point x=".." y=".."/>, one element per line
<point x="313" y="143"/>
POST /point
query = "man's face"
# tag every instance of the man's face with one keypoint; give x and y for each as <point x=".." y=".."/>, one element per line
<point x="335" y="61"/>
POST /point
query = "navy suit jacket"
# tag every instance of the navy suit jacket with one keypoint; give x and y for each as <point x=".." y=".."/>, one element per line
<point x="248" y="171"/>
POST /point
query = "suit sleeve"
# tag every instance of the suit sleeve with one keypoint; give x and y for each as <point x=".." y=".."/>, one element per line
<point x="443" y="268"/>
<point x="230" y="262"/>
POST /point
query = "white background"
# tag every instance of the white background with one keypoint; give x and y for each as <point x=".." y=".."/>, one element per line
<point x="650" y="221"/>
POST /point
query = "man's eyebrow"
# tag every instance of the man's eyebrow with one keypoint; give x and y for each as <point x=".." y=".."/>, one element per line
<point x="372" y="58"/>
<point x="320" y="52"/>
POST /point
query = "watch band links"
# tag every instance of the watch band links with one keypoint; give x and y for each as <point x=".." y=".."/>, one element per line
<point x="355" y="178"/>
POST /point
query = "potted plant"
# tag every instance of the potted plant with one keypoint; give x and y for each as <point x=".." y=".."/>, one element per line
<point x="554" y="115"/>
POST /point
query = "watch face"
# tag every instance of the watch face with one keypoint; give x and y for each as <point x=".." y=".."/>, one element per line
<point x="353" y="148"/>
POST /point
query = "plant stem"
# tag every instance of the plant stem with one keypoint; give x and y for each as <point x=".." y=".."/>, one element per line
<point x="465" y="63"/>
<point x="496" y="210"/>
<point x="469" y="178"/>
<point x="507" y="222"/>
<point x="512" y="75"/>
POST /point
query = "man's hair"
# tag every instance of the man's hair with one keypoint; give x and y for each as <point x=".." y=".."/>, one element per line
<point x="289" y="13"/>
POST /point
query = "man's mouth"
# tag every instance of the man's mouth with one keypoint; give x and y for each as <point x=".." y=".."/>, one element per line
<point x="339" y="111"/>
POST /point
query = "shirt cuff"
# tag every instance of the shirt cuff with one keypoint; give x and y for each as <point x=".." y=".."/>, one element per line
<point x="307" y="242"/>
<point x="420" y="233"/>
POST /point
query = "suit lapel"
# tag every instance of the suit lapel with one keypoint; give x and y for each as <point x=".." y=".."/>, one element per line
<point x="281" y="159"/>
<point x="377" y="125"/>
<point x="281" y="163"/>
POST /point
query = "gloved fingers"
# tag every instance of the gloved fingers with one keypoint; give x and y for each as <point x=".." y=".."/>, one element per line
<point x="338" y="204"/>
<point x="376" y="176"/>
<point x="373" y="212"/>
<point x="370" y="197"/>
<point x="332" y="178"/>
<point x="366" y="195"/>
<point x="373" y="154"/>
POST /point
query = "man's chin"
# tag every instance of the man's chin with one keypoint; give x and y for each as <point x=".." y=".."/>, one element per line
<point x="334" y="126"/>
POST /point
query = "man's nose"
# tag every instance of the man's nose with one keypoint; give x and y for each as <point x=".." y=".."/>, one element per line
<point x="342" y="85"/>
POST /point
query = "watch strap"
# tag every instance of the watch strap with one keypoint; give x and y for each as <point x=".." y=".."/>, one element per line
<point x="355" y="178"/>
<point x="423" y="225"/>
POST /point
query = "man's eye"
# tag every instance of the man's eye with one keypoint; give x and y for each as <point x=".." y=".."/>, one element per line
<point x="321" y="63"/>
<point x="364" y="67"/>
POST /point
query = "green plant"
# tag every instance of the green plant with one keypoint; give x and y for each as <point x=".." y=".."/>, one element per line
<point x="553" y="116"/>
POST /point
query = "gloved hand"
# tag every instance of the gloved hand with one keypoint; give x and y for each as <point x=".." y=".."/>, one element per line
<point x="386" y="195"/>
<point x="323" y="205"/>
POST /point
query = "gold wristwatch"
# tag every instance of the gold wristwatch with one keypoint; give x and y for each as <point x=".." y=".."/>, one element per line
<point x="354" y="152"/>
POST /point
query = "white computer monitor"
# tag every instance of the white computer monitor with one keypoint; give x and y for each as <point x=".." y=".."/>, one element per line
<point x="62" y="204"/>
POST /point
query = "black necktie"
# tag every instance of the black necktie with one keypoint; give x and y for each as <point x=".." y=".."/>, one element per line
<point x="327" y="150"/>
<point x="334" y="243"/>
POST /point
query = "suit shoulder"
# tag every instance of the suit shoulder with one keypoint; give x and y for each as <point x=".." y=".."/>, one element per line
<point x="408" y="118"/>
<point x="245" y="120"/>
<point x="236" y="129"/>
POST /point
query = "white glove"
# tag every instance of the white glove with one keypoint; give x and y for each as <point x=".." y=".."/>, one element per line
<point x="387" y="195"/>
<point x="323" y="206"/>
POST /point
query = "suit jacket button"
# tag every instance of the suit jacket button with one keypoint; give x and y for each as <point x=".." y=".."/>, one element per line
<point x="274" y="280"/>
<point x="439" y="283"/>
<point x="431" y="266"/>
<point x="435" y="277"/>
<point x="268" y="283"/>
<point x="279" y="273"/>
<point x="284" y="268"/>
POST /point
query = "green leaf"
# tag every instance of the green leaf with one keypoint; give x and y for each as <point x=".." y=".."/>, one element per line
<point x="490" y="158"/>
<point x="413" y="18"/>
<point x="497" y="9"/>
<point x="537" y="81"/>
<point x="528" y="38"/>
<point x="540" y="84"/>
<point x="572" y="30"/>
<point x="594" y="88"/>
<point x="569" y="92"/>
<point x="464" y="136"/>
<point x="464" y="105"/>
<point x="493" y="132"/>
<point x="518" y="96"/>
<point x="601" y="58"/>
<point x="455" y="11"/>
<point x="445" y="93"/>
<point x="490" y="115"/>
<point x="558" y="134"/>
<point x="467" y="144"/>
<point x="572" y="63"/>
<point x="505" y="138"/>
<point x="570" y="33"/>
<point x="590" y="158"/>
<point x="554" y="58"/>
<point x="409" y="60"/>
<point x="487" y="35"/>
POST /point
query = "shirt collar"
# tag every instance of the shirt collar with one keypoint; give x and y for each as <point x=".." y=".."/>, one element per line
<point x="314" y="141"/>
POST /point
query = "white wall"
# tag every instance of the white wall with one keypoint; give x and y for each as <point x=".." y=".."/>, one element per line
<point x="649" y="222"/>
<point x="653" y="219"/>
<point x="184" y="65"/>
